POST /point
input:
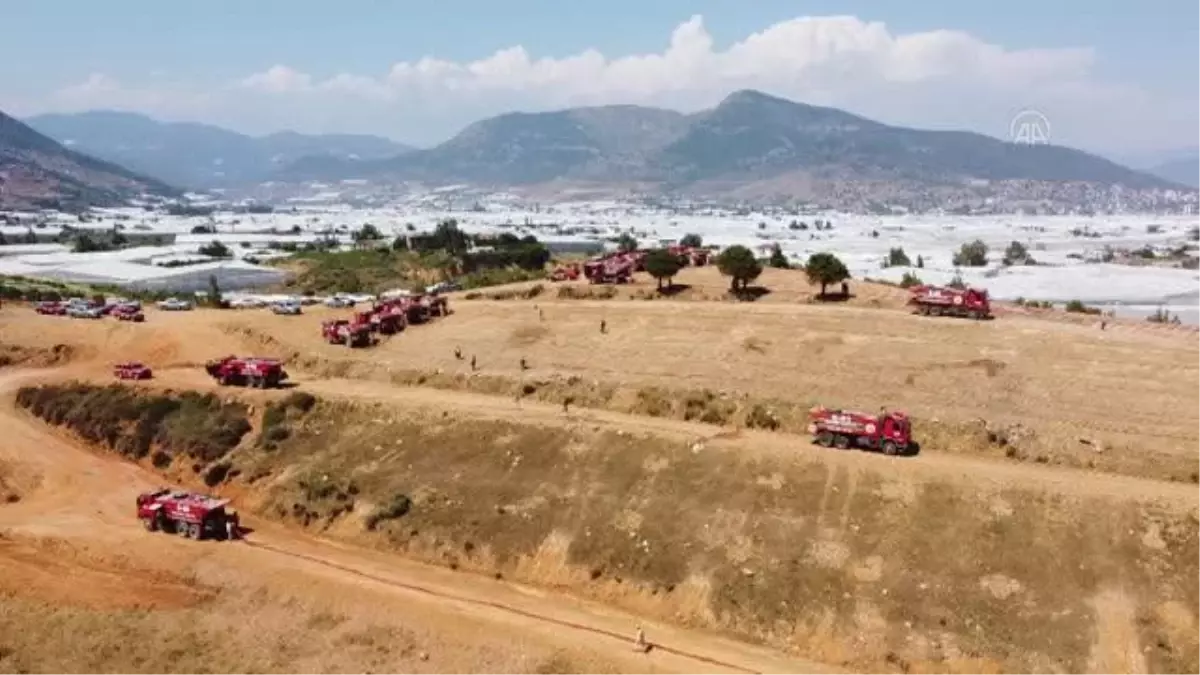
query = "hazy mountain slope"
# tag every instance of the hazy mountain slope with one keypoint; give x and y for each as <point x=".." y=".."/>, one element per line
<point x="751" y="135"/>
<point x="1183" y="171"/>
<point x="199" y="155"/>
<point x="36" y="171"/>
<point x="748" y="137"/>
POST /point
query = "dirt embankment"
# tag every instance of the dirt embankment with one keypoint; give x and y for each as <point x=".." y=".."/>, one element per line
<point x="20" y="355"/>
<point x="837" y="563"/>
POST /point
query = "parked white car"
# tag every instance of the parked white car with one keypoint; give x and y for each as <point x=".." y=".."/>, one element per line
<point x="174" y="305"/>
<point x="339" y="301"/>
<point x="292" y="308"/>
<point x="245" y="303"/>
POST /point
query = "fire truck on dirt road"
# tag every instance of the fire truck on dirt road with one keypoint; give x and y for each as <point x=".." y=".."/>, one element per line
<point x="889" y="432"/>
<point x="190" y="515"/>
<point x="945" y="301"/>
<point x="247" y="371"/>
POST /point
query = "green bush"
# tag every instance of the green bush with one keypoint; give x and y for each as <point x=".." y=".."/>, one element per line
<point x="973" y="254"/>
<point x="198" y="426"/>
<point x="398" y="507"/>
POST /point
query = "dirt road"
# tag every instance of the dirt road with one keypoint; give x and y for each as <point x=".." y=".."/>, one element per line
<point x="926" y="466"/>
<point x="74" y="495"/>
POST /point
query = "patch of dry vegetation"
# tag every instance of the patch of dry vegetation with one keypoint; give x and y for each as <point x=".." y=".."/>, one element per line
<point x="198" y="428"/>
<point x="68" y="609"/>
<point x="253" y="631"/>
<point x="1111" y="448"/>
<point x="38" y="357"/>
<point x="842" y="566"/>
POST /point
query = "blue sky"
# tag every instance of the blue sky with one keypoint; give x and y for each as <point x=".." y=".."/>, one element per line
<point x="173" y="59"/>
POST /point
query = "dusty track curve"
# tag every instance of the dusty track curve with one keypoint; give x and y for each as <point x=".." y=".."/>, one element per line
<point x="84" y="496"/>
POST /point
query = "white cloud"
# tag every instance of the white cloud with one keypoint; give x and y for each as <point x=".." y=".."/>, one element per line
<point x="942" y="79"/>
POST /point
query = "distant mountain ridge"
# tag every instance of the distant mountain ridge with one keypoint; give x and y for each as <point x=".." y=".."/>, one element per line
<point x="748" y="138"/>
<point x="38" y="172"/>
<point x="1182" y="171"/>
<point x="200" y="155"/>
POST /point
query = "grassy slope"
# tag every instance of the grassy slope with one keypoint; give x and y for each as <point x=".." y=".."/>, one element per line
<point x="849" y="567"/>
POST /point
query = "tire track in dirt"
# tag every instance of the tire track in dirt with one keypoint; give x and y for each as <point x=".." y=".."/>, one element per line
<point x="501" y="607"/>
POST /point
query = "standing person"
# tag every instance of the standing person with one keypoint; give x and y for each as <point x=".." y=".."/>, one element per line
<point x="472" y="362"/>
<point x="639" y="641"/>
<point x="603" y="326"/>
<point x="231" y="525"/>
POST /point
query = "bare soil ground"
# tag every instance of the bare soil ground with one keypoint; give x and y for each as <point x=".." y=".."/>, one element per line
<point x="950" y="560"/>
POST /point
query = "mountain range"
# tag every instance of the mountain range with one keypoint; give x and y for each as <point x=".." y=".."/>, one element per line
<point x="200" y="156"/>
<point x="748" y="138"/>
<point x="749" y="145"/>
<point x="38" y="172"/>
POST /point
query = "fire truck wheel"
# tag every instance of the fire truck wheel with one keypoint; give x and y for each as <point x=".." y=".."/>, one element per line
<point x="841" y="441"/>
<point x="193" y="531"/>
<point x="825" y="439"/>
<point x="889" y="448"/>
<point x="149" y="524"/>
<point x="181" y="529"/>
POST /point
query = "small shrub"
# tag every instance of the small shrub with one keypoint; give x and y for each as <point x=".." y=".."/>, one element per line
<point x="909" y="280"/>
<point x="760" y="417"/>
<point x="397" y="508"/>
<point x="1077" y="307"/>
<point x="300" y="400"/>
<point x="217" y="473"/>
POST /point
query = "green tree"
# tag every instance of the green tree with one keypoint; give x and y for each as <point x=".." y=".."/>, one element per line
<point x="909" y="280"/>
<point x="691" y="240"/>
<point x="897" y="258"/>
<point x="661" y="264"/>
<point x="957" y="281"/>
<point x="920" y="262"/>
<point x="739" y="264"/>
<point x="368" y="232"/>
<point x="1016" y="253"/>
<point x="778" y="259"/>
<point x="825" y="269"/>
<point x="626" y="243"/>
<point x="448" y="237"/>
<point x="973" y="254"/>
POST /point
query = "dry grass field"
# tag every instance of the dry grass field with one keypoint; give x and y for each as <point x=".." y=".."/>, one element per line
<point x="1048" y="522"/>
